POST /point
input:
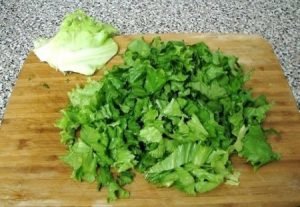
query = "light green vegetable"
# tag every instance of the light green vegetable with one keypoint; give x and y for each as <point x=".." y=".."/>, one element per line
<point x="186" y="153"/>
<point x="174" y="112"/>
<point x="256" y="149"/>
<point x="81" y="45"/>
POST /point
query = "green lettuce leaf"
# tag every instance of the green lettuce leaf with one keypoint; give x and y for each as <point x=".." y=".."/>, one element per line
<point x="83" y="161"/>
<point x="256" y="149"/>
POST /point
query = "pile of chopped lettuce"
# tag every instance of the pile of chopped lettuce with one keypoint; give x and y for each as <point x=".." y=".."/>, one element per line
<point x="81" y="45"/>
<point x="174" y="112"/>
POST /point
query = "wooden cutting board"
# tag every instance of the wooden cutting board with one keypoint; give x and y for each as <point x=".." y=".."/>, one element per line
<point x="31" y="173"/>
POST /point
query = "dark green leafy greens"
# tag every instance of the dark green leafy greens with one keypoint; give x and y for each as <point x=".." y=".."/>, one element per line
<point x="173" y="112"/>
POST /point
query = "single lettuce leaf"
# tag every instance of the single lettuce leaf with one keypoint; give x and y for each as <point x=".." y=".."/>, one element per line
<point x="81" y="45"/>
<point x="195" y="153"/>
<point x="85" y="97"/>
<point x="206" y="180"/>
<point x="124" y="159"/>
<point x="83" y="162"/>
<point x="173" y="109"/>
<point x="155" y="80"/>
<point x="256" y="149"/>
<point x="238" y="145"/>
<point x="159" y="151"/>
<point x="139" y="46"/>
<point x="150" y="134"/>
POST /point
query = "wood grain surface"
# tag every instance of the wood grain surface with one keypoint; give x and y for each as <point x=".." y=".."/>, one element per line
<point x="31" y="173"/>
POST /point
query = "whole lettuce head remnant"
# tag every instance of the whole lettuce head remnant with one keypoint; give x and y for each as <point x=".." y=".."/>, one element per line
<point x="82" y="45"/>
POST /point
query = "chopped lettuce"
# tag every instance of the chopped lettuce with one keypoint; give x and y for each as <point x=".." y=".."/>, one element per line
<point x="174" y="112"/>
<point x="256" y="149"/>
<point x="81" y="45"/>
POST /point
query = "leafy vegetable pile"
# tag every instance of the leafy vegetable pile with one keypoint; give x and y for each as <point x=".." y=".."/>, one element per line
<point x="173" y="112"/>
<point x="82" y="45"/>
